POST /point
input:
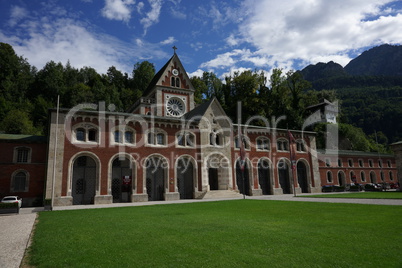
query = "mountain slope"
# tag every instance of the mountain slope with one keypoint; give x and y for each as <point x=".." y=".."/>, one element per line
<point x="382" y="60"/>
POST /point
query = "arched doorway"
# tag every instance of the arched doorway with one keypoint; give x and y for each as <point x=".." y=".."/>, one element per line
<point x="242" y="178"/>
<point x="122" y="180"/>
<point x="264" y="177"/>
<point x="155" y="178"/>
<point x="341" y="178"/>
<point x="284" y="177"/>
<point x="84" y="181"/>
<point x="218" y="172"/>
<point x="302" y="176"/>
<point x="373" y="177"/>
<point x="185" y="178"/>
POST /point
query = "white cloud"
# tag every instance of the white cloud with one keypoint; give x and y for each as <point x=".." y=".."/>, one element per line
<point x="17" y="14"/>
<point x="309" y="30"/>
<point x="118" y="9"/>
<point x="169" y="41"/>
<point x="198" y="73"/>
<point x="223" y="60"/>
<point x="44" y="38"/>
<point x="140" y="7"/>
<point x="152" y="16"/>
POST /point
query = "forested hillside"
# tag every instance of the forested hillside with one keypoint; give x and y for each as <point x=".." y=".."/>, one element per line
<point x="28" y="93"/>
<point x="370" y="90"/>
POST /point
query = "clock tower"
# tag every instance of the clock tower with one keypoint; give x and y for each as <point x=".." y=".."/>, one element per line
<point x="170" y="93"/>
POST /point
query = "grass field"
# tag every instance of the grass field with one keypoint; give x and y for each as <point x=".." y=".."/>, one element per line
<point x="366" y="195"/>
<point x="238" y="233"/>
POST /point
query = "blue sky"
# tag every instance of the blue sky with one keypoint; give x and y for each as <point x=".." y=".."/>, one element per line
<point x="222" y="36"/>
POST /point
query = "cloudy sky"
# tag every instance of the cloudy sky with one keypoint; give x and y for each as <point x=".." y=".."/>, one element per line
<point x="222" y="36"/>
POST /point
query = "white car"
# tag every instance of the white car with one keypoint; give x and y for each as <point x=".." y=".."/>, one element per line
<point x="12" y="199"/>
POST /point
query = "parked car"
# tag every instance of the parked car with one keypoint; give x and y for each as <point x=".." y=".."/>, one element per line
<point x="327" y="188"/>
<point x="12" y="199"/>
<point x="354" y="187"/>
<point x="372" y="187"/>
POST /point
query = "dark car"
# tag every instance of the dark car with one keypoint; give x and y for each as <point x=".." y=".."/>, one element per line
<point x="373" y="187"/>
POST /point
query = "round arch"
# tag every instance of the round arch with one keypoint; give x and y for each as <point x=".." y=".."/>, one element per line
<point x="373" y="177"/>
<point x="218" y="174"/>
<point x="156" y="176"/>
<point x="248" y="176"/>
<point x="122" y="180"/>
<point x="341" y="178"/>
<point x="186" y="171"/>
<point x="285" y="175"/>
<point x="265" y="175"/>
<point x="303" y="175"/>
<point x="83" y="180"/>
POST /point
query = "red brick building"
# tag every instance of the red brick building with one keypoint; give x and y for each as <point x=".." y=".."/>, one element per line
<point x="167" y="148"/>
<point x="23" y="167"/>
<point x="346" y="167"/>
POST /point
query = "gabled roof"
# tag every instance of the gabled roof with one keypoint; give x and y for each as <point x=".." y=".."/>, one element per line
<point x="163" y="72"/>
<point x="201" y="110"/>
<point x="198" y="111"/>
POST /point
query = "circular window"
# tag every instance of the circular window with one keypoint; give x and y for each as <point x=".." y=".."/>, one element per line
<point x="175" y="107"/>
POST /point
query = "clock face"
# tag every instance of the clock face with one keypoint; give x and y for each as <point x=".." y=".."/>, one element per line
<point x="175" y="107"/>
<point x="175" y="72"/>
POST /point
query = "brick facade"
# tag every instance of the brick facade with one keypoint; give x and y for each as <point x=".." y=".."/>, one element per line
<point x="32" y="165"/>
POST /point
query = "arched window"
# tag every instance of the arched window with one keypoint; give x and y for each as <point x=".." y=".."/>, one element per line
<point x="371" y="163"/>
<point x="175" y="81"/>
<point x="157" y="137"/>
<point x="216" y="138"/>
<point x="185" y="139"/>
<point x="362" y="176"/>
<point x="282" y="145"/>
<point x="263" y="144"/>
<point x="361" y="164"/>
<point x="300" y="146"/>
<point x="329" y="176"/>
<point x="19" y="182"/>
<point x="86" y="133"/>
<point x="124" y="136"/>
<point x="391" y="176"/>
<point x="379" y="162"/>
<point x="339" y="162"/>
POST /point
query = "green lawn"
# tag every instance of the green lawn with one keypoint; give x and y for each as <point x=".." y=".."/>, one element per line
<point x="367" y="195"/>
<point x="238" y="233"/>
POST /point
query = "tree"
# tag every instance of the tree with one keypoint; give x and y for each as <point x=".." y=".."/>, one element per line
<point x="143" y="73"/>
<point x="18" y="122"/>
<point x="200" y="89"/>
